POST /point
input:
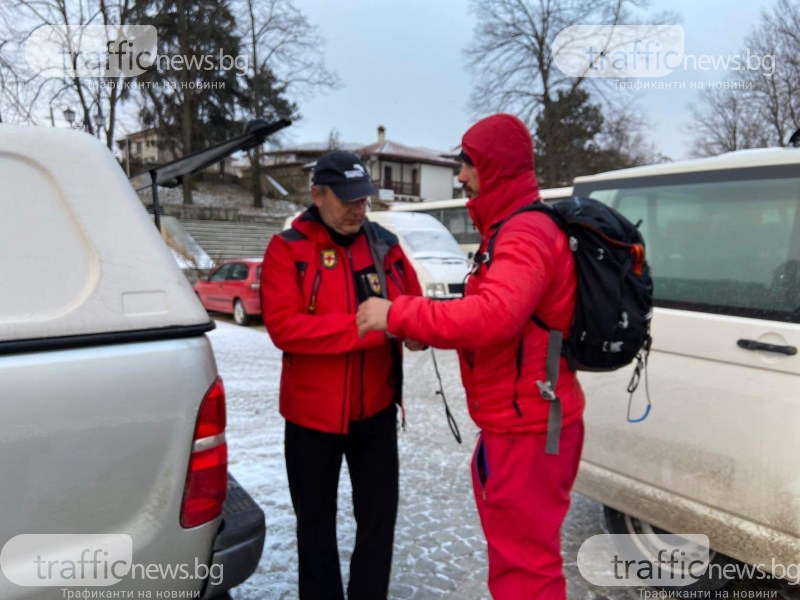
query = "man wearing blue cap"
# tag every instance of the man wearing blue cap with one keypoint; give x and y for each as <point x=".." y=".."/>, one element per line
<point x="338" y="391"/>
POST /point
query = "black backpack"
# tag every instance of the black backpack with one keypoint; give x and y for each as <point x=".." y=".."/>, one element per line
<point x="614" y="303"/>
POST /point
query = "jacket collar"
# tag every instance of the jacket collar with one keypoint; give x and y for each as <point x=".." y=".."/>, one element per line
<point x="310" y="224"/>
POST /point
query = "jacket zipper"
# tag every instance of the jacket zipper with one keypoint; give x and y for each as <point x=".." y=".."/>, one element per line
<point x="347" y="279"/>
<point x="520" y="360"/>
<point x="482" y="466"/>
<point x="312" y="305"/>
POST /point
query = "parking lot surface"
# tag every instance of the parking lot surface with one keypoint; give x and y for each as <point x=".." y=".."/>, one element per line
<point x="439" y="546"/>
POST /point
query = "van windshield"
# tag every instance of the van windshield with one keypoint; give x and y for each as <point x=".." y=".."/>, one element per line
<point x="431" y="243"/>
<point x="729" y="245"/>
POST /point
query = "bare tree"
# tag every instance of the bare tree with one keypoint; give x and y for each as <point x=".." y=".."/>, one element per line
<point x="776" y="83"/>
<point x="514" y="69"/>
<point x="334" y="139"/>
<point x="760" y="104"/>
<point x="728" y="119"/>
<point x="285" y="62"/>
<point x="20" y="89"/>
<point x="512" y="60"/>
<point x="32" y="95"/>
<point x="623" y="136"/>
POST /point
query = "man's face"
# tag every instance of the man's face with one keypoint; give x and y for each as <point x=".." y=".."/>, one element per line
<point x="343" y="217"/>
<point x="468" y="178"/>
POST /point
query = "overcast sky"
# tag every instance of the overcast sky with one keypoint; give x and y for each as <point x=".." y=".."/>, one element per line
<point x="402" y="65"/>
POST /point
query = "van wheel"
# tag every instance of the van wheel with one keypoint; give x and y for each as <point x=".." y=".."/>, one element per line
<point x="239" y="313"/>
<point x="621" y="523"/>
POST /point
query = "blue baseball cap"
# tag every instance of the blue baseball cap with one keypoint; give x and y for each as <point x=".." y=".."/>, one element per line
<point x="345" y="174"/>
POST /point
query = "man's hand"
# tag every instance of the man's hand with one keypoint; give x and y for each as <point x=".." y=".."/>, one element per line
<point x="414" y="345"/>
<point x="372" y="315"/>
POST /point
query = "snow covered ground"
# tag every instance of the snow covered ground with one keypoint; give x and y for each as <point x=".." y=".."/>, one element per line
<point x="439" y="547"/>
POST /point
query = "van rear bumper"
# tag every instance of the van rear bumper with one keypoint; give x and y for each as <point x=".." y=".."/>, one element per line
<point x="239" y="542"/>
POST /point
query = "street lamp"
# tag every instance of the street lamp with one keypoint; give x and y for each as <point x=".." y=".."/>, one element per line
<point x="70" y="115"/>
<point x="99" y="121"/>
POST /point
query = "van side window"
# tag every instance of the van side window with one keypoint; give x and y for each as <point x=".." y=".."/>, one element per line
<point x="724" y="246"/>
<point x="458" y="221"/>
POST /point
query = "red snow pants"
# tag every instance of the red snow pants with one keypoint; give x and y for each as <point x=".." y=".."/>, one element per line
<point x="522" y="495"/>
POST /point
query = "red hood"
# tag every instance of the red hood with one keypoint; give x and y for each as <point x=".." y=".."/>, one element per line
<point x="501" y="149"/>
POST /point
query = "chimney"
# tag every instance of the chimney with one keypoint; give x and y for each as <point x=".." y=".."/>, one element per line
<point x="381" y="134"/>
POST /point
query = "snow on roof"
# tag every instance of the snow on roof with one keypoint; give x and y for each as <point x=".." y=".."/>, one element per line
<point x="386" y="149"/>
<point x="316" y="147"/>
<point x="390" y="149"/>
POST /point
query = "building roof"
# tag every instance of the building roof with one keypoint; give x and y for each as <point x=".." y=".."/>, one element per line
<point x="138" y="135"/>
<point x="316" y="148"/>
<point x="382" y="149"/>
<point x="392" y="150"/>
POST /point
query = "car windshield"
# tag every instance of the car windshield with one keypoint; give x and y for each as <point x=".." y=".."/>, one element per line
<point x="430" y="242"/>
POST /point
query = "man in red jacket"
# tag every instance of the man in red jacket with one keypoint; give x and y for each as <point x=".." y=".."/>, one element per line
<point x="521" y="484"/>
<point x="338" y="391"/>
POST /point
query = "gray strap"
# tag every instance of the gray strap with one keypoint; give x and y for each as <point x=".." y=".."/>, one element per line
<point x="378" y="249"/>
<point x="547" y="390"/>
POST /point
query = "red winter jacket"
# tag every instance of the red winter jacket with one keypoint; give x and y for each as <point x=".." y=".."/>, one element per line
<point x="309" y="302"/>
<point x="532" y="272"/>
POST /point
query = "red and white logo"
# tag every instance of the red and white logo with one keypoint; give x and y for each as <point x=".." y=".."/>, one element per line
<point x="329" y="259"/>
<point x="374" y="282"/>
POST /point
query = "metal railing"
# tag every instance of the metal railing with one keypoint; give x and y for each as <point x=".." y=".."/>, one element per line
<point x="406" y="188"/>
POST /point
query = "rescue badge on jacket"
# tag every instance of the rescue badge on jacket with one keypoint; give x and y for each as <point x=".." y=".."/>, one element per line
<point x="329" y="258"/>
<point x="374" y="282"/>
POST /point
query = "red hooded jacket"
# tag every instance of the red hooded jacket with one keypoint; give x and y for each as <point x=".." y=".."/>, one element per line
<point x="532" y="272"/>
<point x="309" y="302"/>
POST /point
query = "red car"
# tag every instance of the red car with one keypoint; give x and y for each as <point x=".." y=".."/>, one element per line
<point x="233" y="288"/>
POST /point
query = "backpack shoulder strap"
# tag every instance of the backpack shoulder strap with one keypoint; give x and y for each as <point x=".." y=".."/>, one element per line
<point x="292" y="235"/>
<point x="536" y="206"/>
<point x="547" y="388"/>
<point x="378" y="248"/>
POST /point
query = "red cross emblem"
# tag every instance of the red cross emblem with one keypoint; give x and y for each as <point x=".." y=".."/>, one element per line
<point x="374" y="282"/>
<point x="329" y="258"/>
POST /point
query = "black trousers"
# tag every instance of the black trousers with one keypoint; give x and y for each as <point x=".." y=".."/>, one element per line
<point x="313" y="462"/>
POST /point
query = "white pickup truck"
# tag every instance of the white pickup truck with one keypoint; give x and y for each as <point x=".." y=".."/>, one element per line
<point x="113" y="457"/>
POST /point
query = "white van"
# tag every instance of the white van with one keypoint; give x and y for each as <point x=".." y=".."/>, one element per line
<point x="454" y="215"/>
<point x="718" y="454"/>
<point x="440" y="264"/>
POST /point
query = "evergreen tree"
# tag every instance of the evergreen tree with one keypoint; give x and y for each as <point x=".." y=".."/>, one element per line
<point x="190" y="95"/>
<point x="566" y="138"/>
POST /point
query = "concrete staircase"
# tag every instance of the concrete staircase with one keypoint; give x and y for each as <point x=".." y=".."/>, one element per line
<point x="232" y="239"/>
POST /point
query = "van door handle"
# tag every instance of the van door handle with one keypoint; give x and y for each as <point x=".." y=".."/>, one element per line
<point x="754" y="345"/>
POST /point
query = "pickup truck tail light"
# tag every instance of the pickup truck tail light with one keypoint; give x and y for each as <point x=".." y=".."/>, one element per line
<point x="207" y="479"/>
<point x="256" y="285"/>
